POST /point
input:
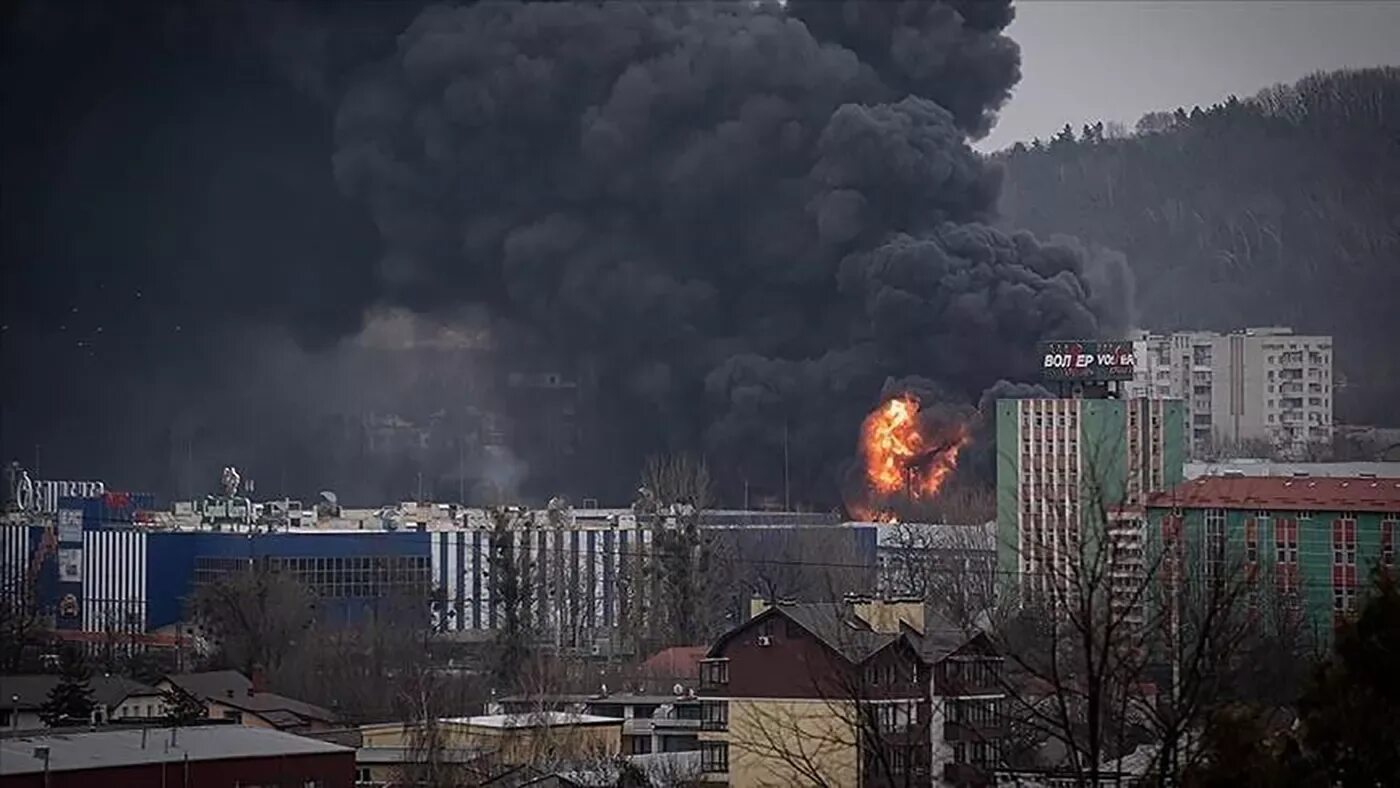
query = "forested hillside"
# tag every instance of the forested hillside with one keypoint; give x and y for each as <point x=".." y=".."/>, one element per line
<point x="1281" y="209"/>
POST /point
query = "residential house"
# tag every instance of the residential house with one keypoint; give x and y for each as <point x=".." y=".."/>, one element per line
<point x="114" y="698"/>
<point x="230" y="695"/>
<point x="853" y="693"/>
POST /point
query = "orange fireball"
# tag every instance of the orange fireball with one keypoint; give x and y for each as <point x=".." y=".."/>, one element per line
<point x="900" y="456"/>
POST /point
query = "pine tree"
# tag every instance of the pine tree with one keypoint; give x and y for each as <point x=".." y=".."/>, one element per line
<point x="70" y="701"/>
<point x="181" y="707"/>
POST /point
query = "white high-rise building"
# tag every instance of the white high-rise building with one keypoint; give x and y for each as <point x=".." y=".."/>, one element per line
<point x="1257" y="384"/>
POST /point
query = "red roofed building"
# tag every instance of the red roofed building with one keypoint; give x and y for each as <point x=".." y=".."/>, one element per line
<point x="677" y="664"/>
<point x="1314" y="541"/>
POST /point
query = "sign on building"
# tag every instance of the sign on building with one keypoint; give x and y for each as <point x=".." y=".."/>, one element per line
<point x="1086" y="360"/>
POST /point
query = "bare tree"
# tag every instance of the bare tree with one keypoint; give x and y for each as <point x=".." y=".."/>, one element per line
<point x="511" y="577"/>
<point x="864" y="715"/>
<point x="1114" y="639"/>
<point x="680" y="591"/>
<point x="23" y="627"/>
<point x="255" y="615"/>
<point x="951" y="567"/>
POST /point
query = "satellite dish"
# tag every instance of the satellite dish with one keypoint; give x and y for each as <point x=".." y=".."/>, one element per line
<point x="678" y="689"/>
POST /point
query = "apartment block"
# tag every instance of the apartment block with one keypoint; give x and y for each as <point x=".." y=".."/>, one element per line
<point x="1072" y="473"/>
<point x="1306" y="544"/>
<point x="1258" y="384"/>
<point x="858" y="692"/>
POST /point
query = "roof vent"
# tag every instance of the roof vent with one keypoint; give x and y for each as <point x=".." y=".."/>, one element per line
<point x="1234" y="473"/>
<point x="1300" y="474"/>
<point x="1345" y="483"/>
<point x="1367" y="475"/>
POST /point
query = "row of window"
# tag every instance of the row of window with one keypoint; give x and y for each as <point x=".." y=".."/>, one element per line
<point x="714" y="757"/>
<point x="888" y="674"/>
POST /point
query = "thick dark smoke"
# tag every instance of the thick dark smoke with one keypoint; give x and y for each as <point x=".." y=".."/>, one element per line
<point x="741" y="218"/>
<point x="735" y="221"/>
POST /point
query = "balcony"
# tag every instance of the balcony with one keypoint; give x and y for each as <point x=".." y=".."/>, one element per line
<point x="965" y="774"/>
<point x="970" y="732"/>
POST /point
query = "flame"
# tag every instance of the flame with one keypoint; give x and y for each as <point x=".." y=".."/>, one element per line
<point x="899" y="457"/>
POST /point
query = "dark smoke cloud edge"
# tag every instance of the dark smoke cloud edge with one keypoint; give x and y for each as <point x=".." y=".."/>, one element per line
<point x="748" y="216"/>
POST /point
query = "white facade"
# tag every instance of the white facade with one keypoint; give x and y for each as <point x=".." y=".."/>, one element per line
<point x="1257" y="384"/>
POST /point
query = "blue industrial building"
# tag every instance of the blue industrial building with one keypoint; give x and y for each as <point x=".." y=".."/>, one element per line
<point x="102" y="569"/>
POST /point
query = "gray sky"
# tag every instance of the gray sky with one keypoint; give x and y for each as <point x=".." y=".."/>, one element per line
<point x="1086" y="60"/>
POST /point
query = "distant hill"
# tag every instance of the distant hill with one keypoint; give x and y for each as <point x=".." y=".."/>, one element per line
<point x="1281" y="209"/>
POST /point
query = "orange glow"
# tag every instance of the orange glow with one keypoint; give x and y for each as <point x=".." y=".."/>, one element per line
<point x="899" y="457"/>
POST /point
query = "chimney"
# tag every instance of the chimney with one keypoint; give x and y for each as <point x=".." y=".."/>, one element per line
<point x="258" y="682"/>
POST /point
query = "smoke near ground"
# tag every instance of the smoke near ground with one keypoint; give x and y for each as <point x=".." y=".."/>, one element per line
<point x="733" y="222"/>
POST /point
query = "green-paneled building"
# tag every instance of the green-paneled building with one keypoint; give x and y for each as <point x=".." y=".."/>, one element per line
<point x="1314" y="541"/>
<point x="1059" y="459"/>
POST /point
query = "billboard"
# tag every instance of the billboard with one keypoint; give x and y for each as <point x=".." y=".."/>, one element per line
<point x="1086" y="360"/>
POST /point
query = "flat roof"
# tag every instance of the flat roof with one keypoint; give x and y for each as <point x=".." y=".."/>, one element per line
<point x="137" y="746"/>
<point x="533" y="719"/>
<point x="618" y="698"/>
<point x="1283" y="493"/>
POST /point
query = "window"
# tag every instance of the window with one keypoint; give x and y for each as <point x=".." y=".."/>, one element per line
<point x="714" y="715"/>
<point x="1286" y="555"/>
<point x="1344" y="542"/>
<point x="1215" y="542"/>
<point x="1344" y="565"/>
<point x="1388" y="540"/>
<point x="1251" y="542"/>
<point x="714" y="672"/>
<point x="714" y="756"/>
<point x="872" y="675"/>
<point x="894" y="717"/>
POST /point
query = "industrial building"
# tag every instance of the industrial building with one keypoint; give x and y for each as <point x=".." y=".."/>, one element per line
<point x="1313" y="541"/>
<point x="211" y="756"/>
<point x="1258" y="384"/>
<point x="110" y="565"/>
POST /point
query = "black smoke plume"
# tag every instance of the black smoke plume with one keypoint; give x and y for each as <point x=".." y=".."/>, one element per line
<point x="733" y="221"/>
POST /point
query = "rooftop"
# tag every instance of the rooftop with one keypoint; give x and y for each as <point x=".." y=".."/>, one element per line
<point x="534" y="719"/>
<point x="1258" y="467"/>
<point x="132" y="747"/>
<point x="232" y="688"/>
<point x="1283" y="493"/>
<point x="29" y="691"/>
<point x="613" y="698"/>
<point x="676" y="662"/>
